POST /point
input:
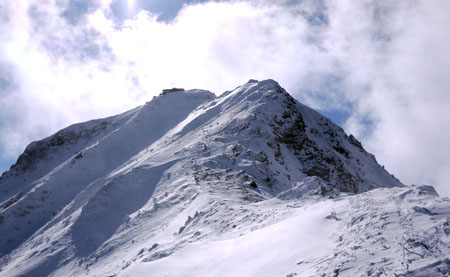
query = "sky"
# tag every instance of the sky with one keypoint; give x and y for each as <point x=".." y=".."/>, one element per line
<point x="377" y="68"/>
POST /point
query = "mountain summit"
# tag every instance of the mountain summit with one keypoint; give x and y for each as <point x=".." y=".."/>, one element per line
<point x="250" y="183"/>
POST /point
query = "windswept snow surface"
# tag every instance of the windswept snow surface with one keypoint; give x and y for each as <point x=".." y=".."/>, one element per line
<point x="378" y="233"/>
<point x="250" y="183"/>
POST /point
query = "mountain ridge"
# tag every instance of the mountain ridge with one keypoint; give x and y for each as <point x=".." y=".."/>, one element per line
<point x="187" y="168"/>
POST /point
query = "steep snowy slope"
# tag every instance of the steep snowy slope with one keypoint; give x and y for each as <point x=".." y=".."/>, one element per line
<point x="196" y="185"/>
<point x="82" y="156"/>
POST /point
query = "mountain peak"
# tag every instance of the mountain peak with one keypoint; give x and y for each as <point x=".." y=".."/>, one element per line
<point x="266" y="86"/>
<point x="181" y="92"/>
<point x="192" y="167"/>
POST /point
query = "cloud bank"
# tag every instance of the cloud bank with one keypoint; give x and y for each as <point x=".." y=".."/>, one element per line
<point x="376" y="67"/>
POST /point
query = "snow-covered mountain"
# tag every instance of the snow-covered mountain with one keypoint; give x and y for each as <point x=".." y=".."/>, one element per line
<point x="250" y="183"/>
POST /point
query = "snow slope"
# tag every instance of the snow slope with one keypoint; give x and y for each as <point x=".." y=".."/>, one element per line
<point x="377" y="233"/>
<point x="250" y="183"/>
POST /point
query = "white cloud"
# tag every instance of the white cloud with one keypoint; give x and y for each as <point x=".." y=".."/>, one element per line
<point x="384" y="63"/>
<point x="413" y="101"/>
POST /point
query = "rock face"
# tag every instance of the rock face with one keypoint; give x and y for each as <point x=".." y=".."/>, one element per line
<point x="136" y="193"/>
